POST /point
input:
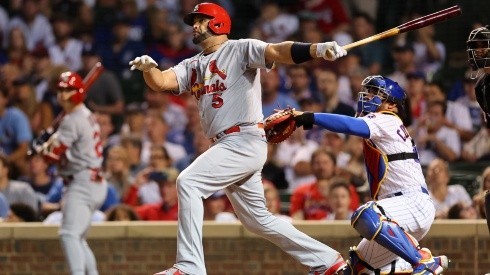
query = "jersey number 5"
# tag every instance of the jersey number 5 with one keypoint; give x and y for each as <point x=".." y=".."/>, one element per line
<point x="217" y="101"/>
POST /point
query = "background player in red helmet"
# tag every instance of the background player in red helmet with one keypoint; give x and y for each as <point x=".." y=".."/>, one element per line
<point x="225" y="80"/>
<point x="76" y="147"/>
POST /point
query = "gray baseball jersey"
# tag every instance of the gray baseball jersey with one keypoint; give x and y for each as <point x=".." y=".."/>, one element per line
<point x="85" y="191"/>
<point x="226" y="84"/>
<point x="80" y="132"/>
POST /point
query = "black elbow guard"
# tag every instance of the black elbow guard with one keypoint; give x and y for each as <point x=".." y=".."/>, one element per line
<point x="306" y="120"/>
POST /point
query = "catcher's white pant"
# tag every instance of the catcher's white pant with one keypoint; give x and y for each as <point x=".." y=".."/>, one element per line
<point x="414" y="211"/>
<point x="235" y="163"/>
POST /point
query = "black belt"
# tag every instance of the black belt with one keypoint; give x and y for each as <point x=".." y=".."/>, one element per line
<point x="421" y="187"/>
<point x="402" y="156"/>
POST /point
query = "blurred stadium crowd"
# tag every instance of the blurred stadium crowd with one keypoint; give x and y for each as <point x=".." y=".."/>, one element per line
<point x="149" y="137"/>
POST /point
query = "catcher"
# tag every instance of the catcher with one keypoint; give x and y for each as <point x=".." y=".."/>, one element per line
<point x="402" y="211"/>
<point x="75" y="145"/>
<point x="478" y="49"/>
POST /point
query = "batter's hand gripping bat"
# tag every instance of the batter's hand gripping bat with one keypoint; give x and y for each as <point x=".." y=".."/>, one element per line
<point x="415" y="24"/>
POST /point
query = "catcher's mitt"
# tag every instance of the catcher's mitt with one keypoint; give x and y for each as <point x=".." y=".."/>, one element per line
<point x="280" y="125"/>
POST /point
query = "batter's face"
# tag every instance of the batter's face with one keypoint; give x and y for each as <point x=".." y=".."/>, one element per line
<point x="63" y="97"/>
<point x="200" y="29"/>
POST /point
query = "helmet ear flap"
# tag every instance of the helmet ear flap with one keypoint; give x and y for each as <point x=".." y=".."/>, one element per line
<point x="78" y="97"/>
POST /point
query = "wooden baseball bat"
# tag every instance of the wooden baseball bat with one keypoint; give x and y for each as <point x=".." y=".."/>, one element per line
<point x="414" y="24"/>
<point x="92" y="75"/>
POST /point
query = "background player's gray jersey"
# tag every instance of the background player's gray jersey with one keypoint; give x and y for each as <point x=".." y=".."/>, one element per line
<point x="80" y="132"/>
<point x="226" y="83"/>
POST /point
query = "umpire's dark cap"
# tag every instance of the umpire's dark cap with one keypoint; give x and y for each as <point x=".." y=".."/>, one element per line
<point x="416" y="75"/>
<point x="89" y="50"/>
<point x="404" y="48"/>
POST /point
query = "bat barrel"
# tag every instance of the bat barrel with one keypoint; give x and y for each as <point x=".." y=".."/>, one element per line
<point x="430" y="19"/>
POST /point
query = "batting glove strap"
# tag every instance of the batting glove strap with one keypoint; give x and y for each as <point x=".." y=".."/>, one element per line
<point x="306" y="120"/>
<point x="330" y="51"/>
<point x="143" y="63"/>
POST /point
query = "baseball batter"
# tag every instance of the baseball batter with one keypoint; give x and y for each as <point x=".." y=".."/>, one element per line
<point x="224" y="79"/>
<point x="77" y="148"/>
<point x="402" y="211"/>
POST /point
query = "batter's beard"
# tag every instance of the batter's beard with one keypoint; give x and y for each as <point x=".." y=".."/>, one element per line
<point x="201" y="37"/>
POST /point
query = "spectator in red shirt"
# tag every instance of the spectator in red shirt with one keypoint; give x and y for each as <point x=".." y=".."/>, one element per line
<point x="167" y="210"/>
<point x="310" y="201"/>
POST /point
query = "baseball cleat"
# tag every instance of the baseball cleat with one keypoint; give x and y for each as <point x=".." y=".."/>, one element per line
<point x="170" y="271"/>
<point x="430" y="265"/>
<point x="335" y="269"/>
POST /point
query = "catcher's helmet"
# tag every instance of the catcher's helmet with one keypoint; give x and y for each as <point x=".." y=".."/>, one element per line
<point x="72" y="80"/>
<point x="478" y="48"/>
<point x="220" y="22"/>
<point x="375" y="90"/>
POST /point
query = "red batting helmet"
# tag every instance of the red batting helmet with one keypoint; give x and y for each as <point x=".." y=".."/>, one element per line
<point x="220" y="22"/>
<point x="74" y="81"/>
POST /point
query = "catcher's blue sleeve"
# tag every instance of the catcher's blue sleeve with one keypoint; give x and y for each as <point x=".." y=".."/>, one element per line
<point x="343" y="124"/>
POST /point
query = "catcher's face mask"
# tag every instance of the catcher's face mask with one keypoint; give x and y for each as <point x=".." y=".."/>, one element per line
<point x="376" y="90"/>
<point x="372" y="94"/>
<point x="478" y="48"/>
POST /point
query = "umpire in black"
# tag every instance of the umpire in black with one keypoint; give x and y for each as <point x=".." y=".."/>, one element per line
<point x="478" y="48"/>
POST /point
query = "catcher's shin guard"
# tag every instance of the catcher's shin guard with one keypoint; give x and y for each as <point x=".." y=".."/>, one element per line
<point x="372" y="224"/>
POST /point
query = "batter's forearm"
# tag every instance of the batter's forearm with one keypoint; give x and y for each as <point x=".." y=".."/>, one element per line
<point x="281" y="52"/>
<point x="154" y="79"/>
